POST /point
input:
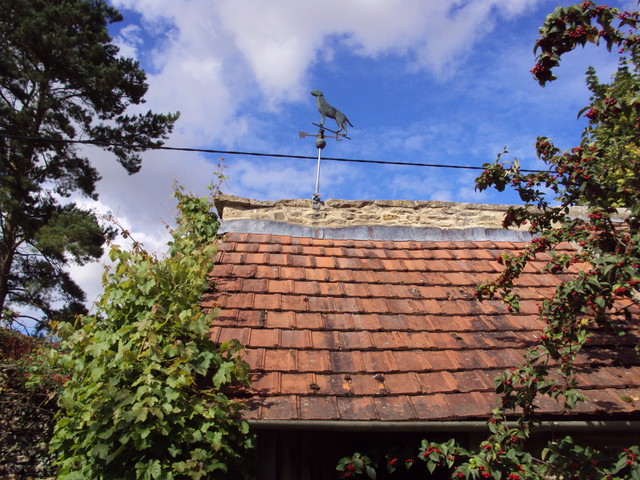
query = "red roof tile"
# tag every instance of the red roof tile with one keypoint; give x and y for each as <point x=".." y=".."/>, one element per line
<point x="278" y="408"/>
<point x="364" y="384"/>
<point x="394" y="408"/>
<point x="263" y="337"/>
<point x="265" y="383"/>
<point x="433" y="407"/>
<point x="284" y="319"/>
<point x="281" y="360"/>
<point x="356" y="408"/>
<point x="318" y="407"/>
<point x="313" y="361"/>
<point x="437" y="382"/>
<point x="379" y="361"/>
<point x="343" y="330"/>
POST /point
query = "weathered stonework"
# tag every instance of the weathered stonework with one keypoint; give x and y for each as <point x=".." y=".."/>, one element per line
<point x="347" y="213"/>
<point x="390" y="213"/>
<point x="26" y="423"/>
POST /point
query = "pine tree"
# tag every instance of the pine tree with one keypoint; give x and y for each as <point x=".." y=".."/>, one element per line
<point x="61" y="79"/>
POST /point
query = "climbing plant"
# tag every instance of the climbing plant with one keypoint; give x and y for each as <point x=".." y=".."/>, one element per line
<point x="602" y="175"/>
<point x="147" y="393"/>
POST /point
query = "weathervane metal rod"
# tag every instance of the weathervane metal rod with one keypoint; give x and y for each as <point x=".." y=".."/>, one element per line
<point x="318" y="173"/>
<point x="320" y="143"/>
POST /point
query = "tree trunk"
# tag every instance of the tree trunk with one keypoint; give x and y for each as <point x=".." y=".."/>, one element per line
<point x="7" y="253"/>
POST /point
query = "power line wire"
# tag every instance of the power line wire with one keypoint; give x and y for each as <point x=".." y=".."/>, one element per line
<point x="254" y="154"/>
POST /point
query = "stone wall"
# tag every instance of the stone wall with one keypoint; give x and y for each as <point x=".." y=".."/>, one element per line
<point x="343" y="213"/>
<point x="25" y="429"/>
<point x="391" y="213"/>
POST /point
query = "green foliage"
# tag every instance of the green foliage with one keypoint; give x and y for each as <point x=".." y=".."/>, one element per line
<point x="146" y="397"/>
<point x="15" y="346"/>
<point x="31" y="364"/>
<point x="355" y="466"/>
<point x="602" y="175"/>
<point x="60" y="78"/>
<point x="589" y="462"/>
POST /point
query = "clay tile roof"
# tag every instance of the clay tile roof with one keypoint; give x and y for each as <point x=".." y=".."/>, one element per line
<point x="363" y="330"/>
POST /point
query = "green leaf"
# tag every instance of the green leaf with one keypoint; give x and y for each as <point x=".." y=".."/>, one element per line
<point x="545" y="453"/>
<point x="155" y="469"/>
<point x="224" y="374"/>
<point x="100" y="450"/>
<point x="371" y="473"/>
<point x="620" y="464"/>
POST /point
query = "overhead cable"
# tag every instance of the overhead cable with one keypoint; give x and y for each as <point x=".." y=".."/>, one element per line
<point x="254" y="154"/>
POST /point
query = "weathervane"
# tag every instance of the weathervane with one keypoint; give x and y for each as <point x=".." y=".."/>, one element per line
<point x="326" y="110"/>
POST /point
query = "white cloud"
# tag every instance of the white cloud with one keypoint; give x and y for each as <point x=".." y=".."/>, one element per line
<point x="153" y="235"/>
<point x="281" y="42"/>
<point x="272" y="180"/>
<point x="128" y="40"/>
<point x="211" y="57"/>
<point x="194" y="69"/>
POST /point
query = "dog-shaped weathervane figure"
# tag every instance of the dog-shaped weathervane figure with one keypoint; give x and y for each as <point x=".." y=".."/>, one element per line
<point x="327" y="110"/>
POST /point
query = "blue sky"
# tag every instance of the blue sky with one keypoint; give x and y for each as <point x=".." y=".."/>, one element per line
<point x="430" y="81"/>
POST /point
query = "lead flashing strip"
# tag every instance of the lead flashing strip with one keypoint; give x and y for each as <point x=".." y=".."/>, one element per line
<point x="374" y="232"/>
